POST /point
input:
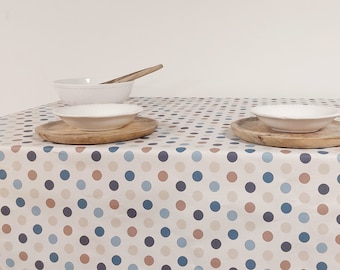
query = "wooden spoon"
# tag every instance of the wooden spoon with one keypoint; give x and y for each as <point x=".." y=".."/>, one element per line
<point x="135" y="75"/>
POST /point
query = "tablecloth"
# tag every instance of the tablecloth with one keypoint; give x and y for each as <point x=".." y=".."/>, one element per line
<point x="189" y="196"/>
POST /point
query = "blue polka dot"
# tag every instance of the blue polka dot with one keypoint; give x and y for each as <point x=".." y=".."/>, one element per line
<point x="164" y="213"/>
<point x="54" y="257"/>
<point x="113" y="149"/>
<point x="36" y="211"/>
<point x="165" y="232"/>
<point x="233" y="234"/>
<point x="286" y="208"/>
<point x="47" y="149"/>
<point x="182" y="261"/>
<point x="69" y="266"/>
<point x="64" y="175"/>
<point x="129" y="156"/>
<point x="232" y="156"/>
<point x="268" y="216"/>
<point x="267" y="157"/>
<point x="249" y="244"/>
<point x="99" y="231"/>
<point x="321" y="266"/>
<point x="31" y="156"/>
<point x="198" y="268"/>
<point x="81" y="184"/>
<point x="163" y="156"/>
<point x="20" y="202"/>
<point x="3" y="174"/>
<point x="180" y="149"/>
<point x="305" y="158"/>
<point x="53" y="239"/>
<point x="181" y="242"/>
<point x="232" y="215"/>
<point x="250" y="264"/>
<point x="303" y="217"/>
<point x="82" y="203"/>
<point x="10" y="262"/>
<point x="17" y="184"/>
<point x="146" y="185"/>
<point x="63" y="156"/>
<point x="323" y="189"/>
<point x="268" y="177"/>
<point x="98" y="212"/>
<point x="304" y="237"/>
<point x="196" y="156"/>
<point x="147" y="204"/>
<point x="250" y="187"/>
<point x="215" y="206"/>
<point x="116" y="260"/>
<point x="214" y="186"/>
<point x="285" y="188"/>
<point x="198" y="215"/>
<point x="2" y="156"/>
<point x="129" y="175"/>
<point x="321" y="248"/>
<point x="132" y="267"/>
<point x="116" y="241"/>
<point x="286" y="246"/>
<point x="181" y="186"/>
<point x="197" y="176"/>
<point x="37" y="229"/>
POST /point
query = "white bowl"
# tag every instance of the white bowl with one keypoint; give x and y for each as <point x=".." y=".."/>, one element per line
<point x="98" y="117"/>
<point x="86" y="91"/>
<point x="295" y="118"/>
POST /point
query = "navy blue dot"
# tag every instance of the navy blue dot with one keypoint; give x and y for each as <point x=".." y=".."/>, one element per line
<point x="101" y="266"/>
<point x="198" y="215"/>
<point x="216" y="243"/>
<point x="197" y="176"/>
<point x="286" y="208"/>
<point x="305" y="158"/>
<point x="268" y="216"/>
<point x="82" y="203"/>
<point x="37" y="229"/>
<point x="31" y="156"/>
<point x="114" y="185"/>
<point x="5" y="210"/>
<point x="304" y="237"/>
<point x="130" y="175"/>
<point x="182" y="261"/>
<point x="54" y="257"/>
<point x="286" y="246"/>
<point x="96" y="156"/>
<point x="233" y="234"/>
<point x="3" y="174"/>
<point x="84" y="240"/>
<point x="99" y="231"/>
<point x="39" y="265"/>
<point x="163" y="156"/>
<point x="250" y="264"/>
<point x="338" y="219"/>
<point x="49" y="185"/>
<point x="180" y="186"/>
<point x="323" y="189"/>
<point x="232" y="156"/>
<point x="116" y="260"/>
<point x="215" y="206"/>
<point x="149" y="241"/>
<point x="22" y="238"/>
<point x="64" y="174"/>
<point x="321" y="266"/>
<point x="165" y="232"/>
<point x="250" y="187"/>
<point x="268" y="177"/>
<point x="131" y="213"/>
<point x="166" y="267"/>
<point x="67" y="211"/>
<point x="147" y="204"/>
<point x="20" y="202"/>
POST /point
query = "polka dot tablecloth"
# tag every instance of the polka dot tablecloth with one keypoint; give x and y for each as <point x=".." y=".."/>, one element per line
<point x="189" y="196"/>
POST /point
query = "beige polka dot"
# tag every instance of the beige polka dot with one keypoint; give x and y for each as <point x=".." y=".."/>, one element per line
<point x="130" y="194"/>
<point x="115" y="222"/>
<point x="16" y="165"/>
<point x="48" y="166"/>
<point x="66" y="194"/>
<point x="322" y="229"/>
<point x="68" y="248"/>
<point x="232" y="196"/>
<point x="214" y="167"/>
<point x="324" y="168"/>
<point x="286" y="168"/>
<point x="267" y="255"/>
<point x="98" y="194"/>
<point x="163" y="195"/>
<point x="4" y="192"/>
<point x="8" y="246"/>
<point x="148" y="222"/>
<point x="338" y="199"/>
<point x="286" y="227"/>
<point x="198" y="252"/>
<point x="22" y="220"/>
<point x="180" y="166"/>
<point x="268" y="197"/>
<point x="80" y="166"/>
<point x="34" y="193"/>
<point x="304" y="197"/>
<point x="249" y="167"/>
<point x="215" y="225"/>
<point x="146" y="166"/>
<point x="100" y="249"/>
<point x="337" y="258"/>
<point x="83" y="222"/>
<point x="38" y="247"/>
<point x="250" y="226"/>
<point x="113" y="166"/>
<point x="232" y="253"/>
<point x="165" y="251"/>
<point x="303" y="255"/>
<point x="197" y="195"/>
<point x="133" y="250"/>
<point x="52" y="220"/>
<point x="181" y="224"/>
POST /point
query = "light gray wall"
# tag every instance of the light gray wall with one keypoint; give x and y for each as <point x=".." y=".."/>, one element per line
<point x="256" y="48"/>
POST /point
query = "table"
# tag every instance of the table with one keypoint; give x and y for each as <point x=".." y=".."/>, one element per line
<point x="189" y="196"/>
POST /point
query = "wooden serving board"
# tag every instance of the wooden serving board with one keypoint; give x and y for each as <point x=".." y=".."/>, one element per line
<point x="254" y="131"/>
<point x="60" y="132"/>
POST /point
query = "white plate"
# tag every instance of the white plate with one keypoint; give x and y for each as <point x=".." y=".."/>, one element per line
<point x="296" y="118"/>
<point x="98" y="117"/>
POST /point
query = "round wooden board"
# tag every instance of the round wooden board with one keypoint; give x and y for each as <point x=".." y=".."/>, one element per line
<point x="254" y="131"/>
<point x="60" y="132"/>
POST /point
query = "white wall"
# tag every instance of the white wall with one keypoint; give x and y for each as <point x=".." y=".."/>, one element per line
<point x="256" y="48"/>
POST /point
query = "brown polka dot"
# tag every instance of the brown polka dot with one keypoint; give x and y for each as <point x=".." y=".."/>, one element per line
<point x="67" y="230"/>
<point x="231" y="176"/>
<point x="114" y="204"/>
<point x="163" y="176"/>
<point x="97" y="175"/>
<point x="80" y="149"/>
<point x="267" y="236"/>
<point x="198" y="234"/>
<point x="132" y="231"/>
<point x="214" y="150"/>
<point x="215" y="263"/>
<point x="180" y="205"/>
<point x="322" y="209"/>
<point x="285" y="265"/>
<point x="337" y="239"/>
<point x="285" y="151"/>
<point x="304" y="178"/>
<point x="32" y="175"/>
<point x="50" y="203"/>
<point x="15" y="148"/>
<point x="148" y="260"/>
<point x="146" y="149"/>
<point x="249" y="207"/>
<point x="6" y="228"/>
<point x="84" y="258"/>
<point x="23" y="256"/>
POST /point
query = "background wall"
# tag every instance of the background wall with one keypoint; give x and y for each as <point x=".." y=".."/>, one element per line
<point x="255" y="48"/>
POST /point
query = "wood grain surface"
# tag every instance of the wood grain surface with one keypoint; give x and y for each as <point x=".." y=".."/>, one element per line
<point x="254" y="131"/>
<point x="60" y="132"/>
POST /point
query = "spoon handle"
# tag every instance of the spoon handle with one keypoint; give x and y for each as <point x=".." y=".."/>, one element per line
<point x="135" y="75"/>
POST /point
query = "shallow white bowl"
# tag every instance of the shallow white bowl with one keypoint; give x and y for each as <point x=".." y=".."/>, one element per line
<point x="87" y="91"/>
<point x="295" y="118"/>
<point x="98" y="117"/>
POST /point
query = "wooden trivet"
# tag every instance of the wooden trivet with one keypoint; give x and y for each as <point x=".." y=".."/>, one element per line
<point x="254" y="131"/>
<point x="60" y="132"/>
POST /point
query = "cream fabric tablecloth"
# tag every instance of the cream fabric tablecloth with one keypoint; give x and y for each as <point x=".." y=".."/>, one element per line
<point x="189" y="196"/>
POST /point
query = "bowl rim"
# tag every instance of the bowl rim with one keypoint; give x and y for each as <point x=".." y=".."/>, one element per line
<point x="67" y="82"/>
